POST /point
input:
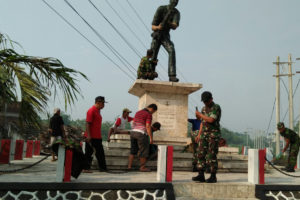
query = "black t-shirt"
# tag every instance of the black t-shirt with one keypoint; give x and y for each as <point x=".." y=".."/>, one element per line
<point x="55" y="124"/>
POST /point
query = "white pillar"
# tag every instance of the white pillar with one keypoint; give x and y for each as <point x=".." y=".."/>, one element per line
<point x="277" y="104"/>
<point x="253" y="166"/>
<point x="60" y="167"/>
<point x="298" y="159"/>
<point x="291" y="102"/>
<point x="161" y="163"/>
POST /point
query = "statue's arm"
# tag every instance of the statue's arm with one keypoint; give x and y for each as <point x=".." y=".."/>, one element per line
<point x="156" y="26"/>
<point x="175" y="22"/>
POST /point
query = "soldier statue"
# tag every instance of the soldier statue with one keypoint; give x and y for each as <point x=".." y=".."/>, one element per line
<point x="166" y="17"/>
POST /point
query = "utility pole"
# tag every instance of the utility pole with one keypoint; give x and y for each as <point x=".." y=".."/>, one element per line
<point x="277" y="103"/>
<point x="291" y="108"/>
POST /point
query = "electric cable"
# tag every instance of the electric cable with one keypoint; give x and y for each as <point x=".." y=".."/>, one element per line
<point x="93" y="44"/>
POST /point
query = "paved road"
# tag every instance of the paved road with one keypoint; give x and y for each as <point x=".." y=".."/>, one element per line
<point x="45" y="172"/>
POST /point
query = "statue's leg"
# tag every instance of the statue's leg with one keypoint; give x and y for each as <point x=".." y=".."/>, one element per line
<point x="155" y="45"/>
<point x="169" y="46"/>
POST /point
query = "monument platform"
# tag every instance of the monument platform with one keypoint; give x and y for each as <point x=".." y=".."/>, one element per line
<point x="172" y="102"/>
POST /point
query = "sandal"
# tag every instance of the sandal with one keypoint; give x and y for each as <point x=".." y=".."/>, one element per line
<point x="145" y="170"/>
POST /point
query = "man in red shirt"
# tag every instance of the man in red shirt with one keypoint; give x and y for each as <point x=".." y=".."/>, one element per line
<point x="141" y="129"/>
<point x="93" y="135"/>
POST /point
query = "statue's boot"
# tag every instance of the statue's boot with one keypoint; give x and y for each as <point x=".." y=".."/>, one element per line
<point x="173" y="79"/>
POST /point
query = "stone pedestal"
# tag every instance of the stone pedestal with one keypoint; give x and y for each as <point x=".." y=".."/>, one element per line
<point x="172" y="101"/>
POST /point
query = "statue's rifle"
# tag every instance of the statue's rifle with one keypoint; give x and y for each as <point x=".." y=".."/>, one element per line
<point x="159" y="33"/>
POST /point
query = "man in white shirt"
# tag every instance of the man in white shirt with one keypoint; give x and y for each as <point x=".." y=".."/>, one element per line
<point x="119" y="126"/>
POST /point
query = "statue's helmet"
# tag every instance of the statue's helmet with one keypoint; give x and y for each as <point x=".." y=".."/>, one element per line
<point x="174" y="2"/>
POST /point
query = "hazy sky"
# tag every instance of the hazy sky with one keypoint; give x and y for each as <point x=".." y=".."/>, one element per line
<point x="227" y="45"/>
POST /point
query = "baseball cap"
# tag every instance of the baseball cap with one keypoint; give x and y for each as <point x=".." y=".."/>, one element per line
<point x="206" y="96"/>
<point x="126" y="110"/>
<point x="156" y="125"/>
<point x="280" y="125"/>
<point x="100" y="99"/>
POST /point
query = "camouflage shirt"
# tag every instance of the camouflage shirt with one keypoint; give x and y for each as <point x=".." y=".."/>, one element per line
<point x="291" y="135"/>
<point x="160" y="15"/>
<point x="214" y="112"/>
<point x="145" y="65"/>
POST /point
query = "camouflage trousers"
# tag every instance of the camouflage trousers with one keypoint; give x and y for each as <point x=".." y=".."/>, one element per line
<point x="293" y="153"/>
<point x="207" y="151"/>
<point x="195" y="145"/>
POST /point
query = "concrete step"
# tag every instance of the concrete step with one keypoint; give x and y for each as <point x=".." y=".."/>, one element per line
<point x="214" y="191"/>
<point x="177" y="148"/>
<point x="112" y="152"/>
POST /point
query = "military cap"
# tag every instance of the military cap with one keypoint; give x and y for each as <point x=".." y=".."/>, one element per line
<point x="156" y="125"/>
<point x="280" y="125"/>
<point x="206" y="96"/>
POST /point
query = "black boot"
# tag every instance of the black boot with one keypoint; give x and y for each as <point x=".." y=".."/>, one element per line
<point x="200" y="178"/>
<point x="195" y="168"/>
<point x="212" y="178"/>
<point x="289" y="169"/>
<point x="173" y="79"/>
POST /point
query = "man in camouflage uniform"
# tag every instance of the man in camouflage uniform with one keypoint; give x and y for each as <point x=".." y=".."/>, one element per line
<point x="194" y="133"/>
<point x="292" y="142"/>
<point x="146" y="68"/>
<point x="208" y="138"/>
<point x="173" y="23"/>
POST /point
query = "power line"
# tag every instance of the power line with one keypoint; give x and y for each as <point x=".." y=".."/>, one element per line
<point x="139" y="17"/>
<point x="82" y="35"/>
<point x="127" y="25"/>
<point x="117" y="31"/>
<point x="271" y="116"/>
<point x="293" y="97"/>
<point x="107" y="44"/>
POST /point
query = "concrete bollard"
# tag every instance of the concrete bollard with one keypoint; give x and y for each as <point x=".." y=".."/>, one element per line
<point x="5" y="151"/>
<point x="164" y="163"/>
<point x="246" y="148"/>
<point x="60" y="167"/>
<point x="24" y="149"/>
<point x="256" y="161"/>
<point x="19" y="150"/>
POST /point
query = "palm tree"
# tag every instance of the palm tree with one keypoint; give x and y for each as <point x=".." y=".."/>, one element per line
<point x="33" y="80"/>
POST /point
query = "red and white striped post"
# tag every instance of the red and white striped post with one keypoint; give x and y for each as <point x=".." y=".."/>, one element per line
<point x="165" y="163"/>
<point x="64" y="164"/>
<point x="5" y="151"/>
<point x="256" y="162"/>
<point x="19" y="150"/>
<point x="37" y="148"/>
<point x="68" y="165"/>
<point x="29" y="149"/>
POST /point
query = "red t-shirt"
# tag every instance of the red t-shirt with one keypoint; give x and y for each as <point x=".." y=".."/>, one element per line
<point x="142" y="118"/>
<point x="94" y="117"/>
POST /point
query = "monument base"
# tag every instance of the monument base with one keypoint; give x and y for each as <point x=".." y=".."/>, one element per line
<point x="172" y="102"/>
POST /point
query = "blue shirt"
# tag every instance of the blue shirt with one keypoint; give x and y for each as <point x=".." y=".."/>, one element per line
<point x="195" y="124"/>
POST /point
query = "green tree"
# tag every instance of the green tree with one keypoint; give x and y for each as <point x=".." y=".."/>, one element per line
<point x="33" y="80"/>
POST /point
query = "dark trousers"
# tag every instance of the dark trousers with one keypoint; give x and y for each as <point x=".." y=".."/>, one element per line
<point x="169" y="46"/>
<point x="89" y="150"/>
